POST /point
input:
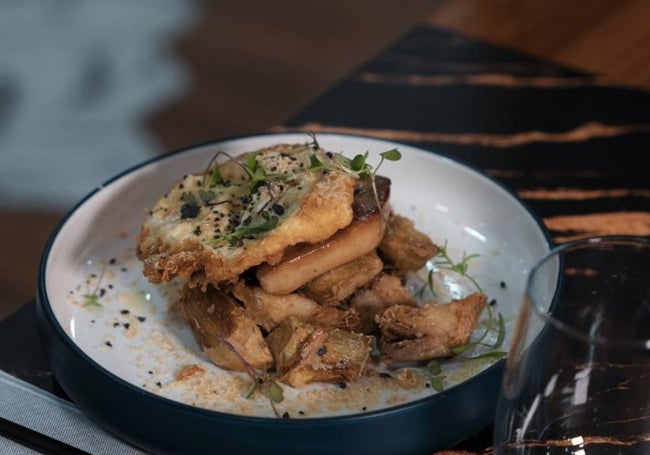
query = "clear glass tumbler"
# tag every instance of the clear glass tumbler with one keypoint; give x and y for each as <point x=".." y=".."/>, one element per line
<point x="577" y="378"/>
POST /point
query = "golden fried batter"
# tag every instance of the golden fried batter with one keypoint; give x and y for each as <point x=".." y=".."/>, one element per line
<point x="257" y="206"/>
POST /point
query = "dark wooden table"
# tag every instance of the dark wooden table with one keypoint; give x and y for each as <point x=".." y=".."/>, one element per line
<point x="571" y="145"/>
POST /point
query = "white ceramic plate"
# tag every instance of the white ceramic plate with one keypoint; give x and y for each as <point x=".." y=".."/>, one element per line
<point x="135" y="336"/>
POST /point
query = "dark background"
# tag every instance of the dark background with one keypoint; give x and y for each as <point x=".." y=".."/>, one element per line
<point x="255" y="64"/>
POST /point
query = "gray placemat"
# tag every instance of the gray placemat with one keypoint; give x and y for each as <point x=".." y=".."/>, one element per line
<point x="33" y="408"/>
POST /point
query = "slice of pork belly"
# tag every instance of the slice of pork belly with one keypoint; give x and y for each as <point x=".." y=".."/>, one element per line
<point x="304" y="262"/>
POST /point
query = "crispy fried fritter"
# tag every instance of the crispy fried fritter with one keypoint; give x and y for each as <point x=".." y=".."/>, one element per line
<point x="248" y="213"/>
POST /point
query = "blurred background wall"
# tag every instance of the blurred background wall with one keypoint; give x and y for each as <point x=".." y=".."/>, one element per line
<point x="91" y="87"/>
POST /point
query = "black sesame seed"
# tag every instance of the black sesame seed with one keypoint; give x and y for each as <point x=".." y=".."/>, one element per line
<point x="112" y="261"/>
<point x="159" y="384"/>
<point x="189" y="211"/>
<point x="286" y="415"/>
<point x="109" y="344"/>
<point x="385" y="375"/>
<point x="343" y="385"/>
<point x="278" y="209"/>
<point x="503" y="285"/>
<point x="124" y="311"/>
<point x="126" y="325"/>
<point x="493" y="302"/>
<point x="322" y="350"/>
<point x="116" y="324"/>
<point x="141" y="318"/>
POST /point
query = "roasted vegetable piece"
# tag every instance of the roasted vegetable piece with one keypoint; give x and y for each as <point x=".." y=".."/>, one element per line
<point x="214" y="317"/>
<point x="386" y="290"/>
<point x="332" y="287"/>
<point x="306" y="353"/>
<point x="404" y="246"/>
<point x="432" y="331"/>
<point x="269" y="310"/>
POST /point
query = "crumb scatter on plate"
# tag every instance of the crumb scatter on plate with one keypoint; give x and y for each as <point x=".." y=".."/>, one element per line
<point x="163" y="344"/>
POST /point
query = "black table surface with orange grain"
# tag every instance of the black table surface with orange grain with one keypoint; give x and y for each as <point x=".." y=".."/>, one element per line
<point x="571" y="145"/>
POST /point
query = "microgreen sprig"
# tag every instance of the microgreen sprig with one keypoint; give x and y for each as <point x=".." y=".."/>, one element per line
<point x="91" y="299"/>
<point x="445" y="262"/>
<point x="314" y="142"/>
<point x="462" y="268"/>
<point x="257" y="173"/>
<point x="260" y="381"/>
<point x="236" y="236"/>
<point x="212" y="172"/>
<point x="489" y="326"/>
<point x="435" y="373"/>
<point x="358" y="166"/>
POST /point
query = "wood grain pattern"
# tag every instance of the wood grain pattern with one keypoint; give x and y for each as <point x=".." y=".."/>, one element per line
<point x="569" y="143"/>
<point x="254" y="65"/>
<point x="610" y="38"/>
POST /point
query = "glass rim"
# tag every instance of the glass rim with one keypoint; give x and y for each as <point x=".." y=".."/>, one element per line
<point x="548" y="317"/>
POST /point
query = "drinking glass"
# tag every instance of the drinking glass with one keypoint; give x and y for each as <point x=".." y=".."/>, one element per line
<point x="577" y="377"/>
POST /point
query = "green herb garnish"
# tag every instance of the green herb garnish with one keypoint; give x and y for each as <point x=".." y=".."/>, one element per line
<point x="249" y="230"/>
<point x="435" y="373"/>
<point x="489" y="326"/>
<point x="206" y="196"/>
<point x="462" y="268"/>
<point x="190" y="198"/>
<point x="91" y="300"/>
<point x="389" y="155"/>
<point x="459" y="267"/>
<point x="260" y="380"/>
<point x="314" y="142"/>
<point x="358" y="166"/>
